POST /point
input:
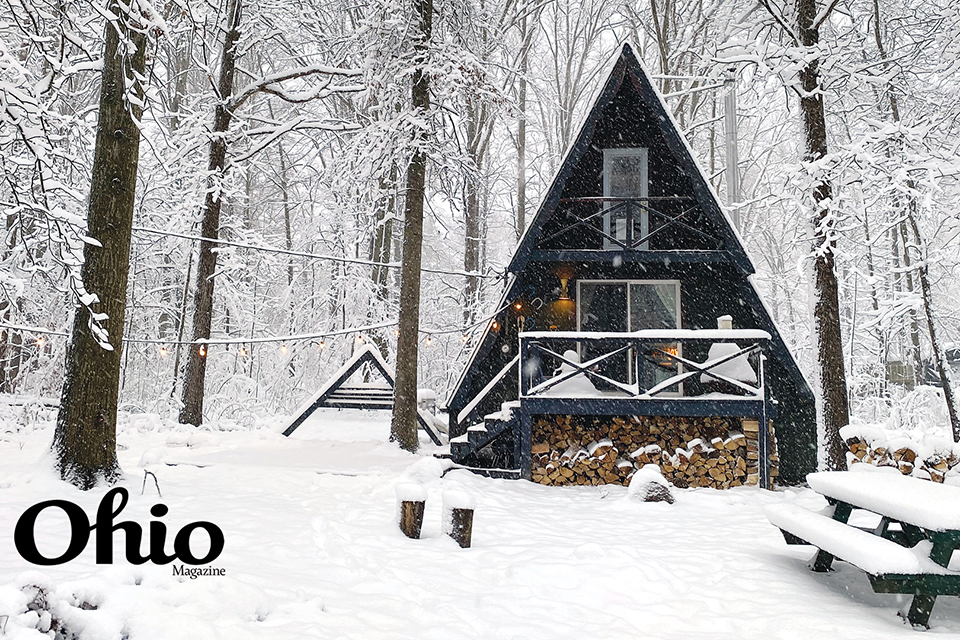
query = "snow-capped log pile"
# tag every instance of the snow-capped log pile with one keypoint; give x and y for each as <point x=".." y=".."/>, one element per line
<point x="919" y="455"/>
<point x="691" y="452"/>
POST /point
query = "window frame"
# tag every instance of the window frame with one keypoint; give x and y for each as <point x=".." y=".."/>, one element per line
<point x="628" y="283"/>
<point x="625" y="152"/>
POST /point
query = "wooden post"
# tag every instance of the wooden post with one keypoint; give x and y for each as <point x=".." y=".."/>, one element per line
<point x="763" y="431"/>
<point x="525" y="441"/>
<point x="411" y="501"/>
<point x="458" y="517"/>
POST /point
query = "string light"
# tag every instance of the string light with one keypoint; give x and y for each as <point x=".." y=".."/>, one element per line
<point x="464" y="338"/>
<point x="518" y="306"/>
<point x="282" y="340"/>
<point x="203" y="352"/>
<point x="429" y="340"/>
<point x="283" y="348"/>
<point x="243" y="351"/>
<point x="321" y="345"/>
<point x="495" y="325"/>
<point x="163" y="351"/>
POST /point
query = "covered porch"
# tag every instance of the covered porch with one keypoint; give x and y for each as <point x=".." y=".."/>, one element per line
<point x="662" y="373"/>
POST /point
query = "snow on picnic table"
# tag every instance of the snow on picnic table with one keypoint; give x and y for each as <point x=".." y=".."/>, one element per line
<point x="313" y="551"/>
<point x="888" y="492"/>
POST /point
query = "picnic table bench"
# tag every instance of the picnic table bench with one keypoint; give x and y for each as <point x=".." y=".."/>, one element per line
<point x="908" y="552"/>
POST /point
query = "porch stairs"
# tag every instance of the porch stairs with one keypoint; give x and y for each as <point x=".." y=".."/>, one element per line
<point x="472" y="450"/>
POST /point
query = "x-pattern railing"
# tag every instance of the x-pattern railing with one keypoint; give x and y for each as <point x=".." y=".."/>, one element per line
<point x="581" y="368"/>
<point x="630" y="207"/>
<point x="648" y="347"/>
<point x="709" y="368"/>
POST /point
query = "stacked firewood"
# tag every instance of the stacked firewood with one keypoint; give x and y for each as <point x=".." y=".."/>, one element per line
<point x="932" y="467"/>
<point x="691" y="452"/>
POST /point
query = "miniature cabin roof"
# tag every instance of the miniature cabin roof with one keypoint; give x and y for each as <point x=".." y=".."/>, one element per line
<point x="628" y="73"/>
<point x="336" y="394"/>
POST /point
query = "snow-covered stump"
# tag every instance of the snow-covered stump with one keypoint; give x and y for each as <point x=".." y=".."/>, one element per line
<point x="411" y="502"/>
<point x="458" y="509"/>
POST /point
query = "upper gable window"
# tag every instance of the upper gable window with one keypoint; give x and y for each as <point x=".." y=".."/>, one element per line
<point x="624" y="176"/>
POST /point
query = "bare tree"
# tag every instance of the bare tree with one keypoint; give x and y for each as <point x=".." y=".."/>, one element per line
<point x="804" y="31"/>
<point x="228" y="104"/>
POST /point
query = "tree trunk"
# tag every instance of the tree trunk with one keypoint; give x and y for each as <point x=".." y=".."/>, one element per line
<point x="826" y="310"/>
<point x="471" y="237"/>
<point x="287" y="226"/>
<point x="11" y="342"/>
<point x="381" y="248"/>
<point x="85" y="438"/>
<point x="938" y="356"/>
<point x="522" y="134"/>
<point x="912" y="324"/>
<point x="403" y="427"/>
<point x="193" y="380"/>
<point x="182" y="322"/>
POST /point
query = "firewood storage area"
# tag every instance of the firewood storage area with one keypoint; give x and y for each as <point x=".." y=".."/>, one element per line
<point x="715" y="452"/>
<point x="589" y="423"/>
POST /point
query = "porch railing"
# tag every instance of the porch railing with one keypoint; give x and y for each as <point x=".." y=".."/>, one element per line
<point x="616" y="363"/>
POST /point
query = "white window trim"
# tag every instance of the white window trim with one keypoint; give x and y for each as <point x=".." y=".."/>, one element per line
<point x="608" y="156"/>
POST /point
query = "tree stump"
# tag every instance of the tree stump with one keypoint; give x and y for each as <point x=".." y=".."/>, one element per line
<point x="458" y="517"/>
<point x="411" y="502"/>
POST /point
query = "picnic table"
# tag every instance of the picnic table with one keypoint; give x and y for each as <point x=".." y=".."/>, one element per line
<point x="908" y="552"/>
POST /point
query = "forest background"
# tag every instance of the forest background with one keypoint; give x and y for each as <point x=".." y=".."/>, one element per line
<point x="321" y="132"/>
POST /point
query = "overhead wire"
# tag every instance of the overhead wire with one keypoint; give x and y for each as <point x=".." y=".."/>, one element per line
<point x="304" y="254"/>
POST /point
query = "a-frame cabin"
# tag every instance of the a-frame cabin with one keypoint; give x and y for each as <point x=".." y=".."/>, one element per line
<point x="627" y="267"/>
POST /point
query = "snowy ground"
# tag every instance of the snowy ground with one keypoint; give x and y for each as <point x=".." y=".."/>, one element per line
<point x="312" y="551"/>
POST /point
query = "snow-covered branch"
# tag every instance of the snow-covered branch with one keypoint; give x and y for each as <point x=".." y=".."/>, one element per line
<point x="271" y="83"/>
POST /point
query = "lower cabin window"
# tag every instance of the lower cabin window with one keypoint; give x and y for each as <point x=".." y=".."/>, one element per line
<point x="620" y="306"/>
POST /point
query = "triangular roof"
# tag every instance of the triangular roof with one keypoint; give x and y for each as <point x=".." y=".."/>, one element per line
<point x="629" y="69"/>
<point x="368" y="354"/>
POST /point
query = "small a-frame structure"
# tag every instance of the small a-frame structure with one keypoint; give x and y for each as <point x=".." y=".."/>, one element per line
<point x="335" y="394"/>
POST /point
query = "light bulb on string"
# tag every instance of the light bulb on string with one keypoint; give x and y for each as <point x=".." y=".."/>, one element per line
<point x="163" y="351"/>
<point x="243" y="351"/>
<point x="321" y="345"/>
<point x="429" y="340"/>
<point x="203" y="352"/>
<point x="283" y="348"/>
<point x="39" y="341"/>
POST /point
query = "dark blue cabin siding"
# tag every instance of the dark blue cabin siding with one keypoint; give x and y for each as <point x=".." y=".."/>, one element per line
<point x="628" y="123"/>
